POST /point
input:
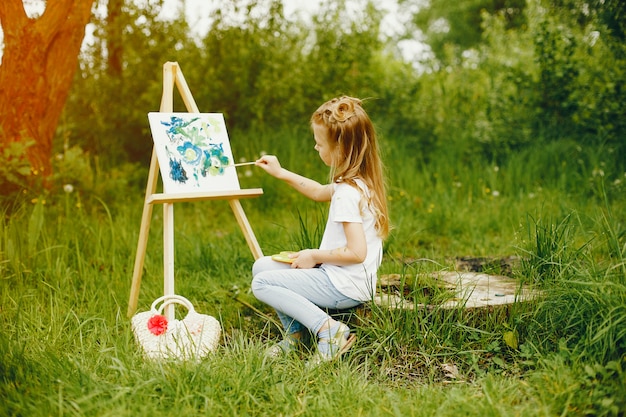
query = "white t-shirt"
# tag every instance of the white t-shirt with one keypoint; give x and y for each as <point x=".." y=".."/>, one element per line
<point x="349" y="205"/>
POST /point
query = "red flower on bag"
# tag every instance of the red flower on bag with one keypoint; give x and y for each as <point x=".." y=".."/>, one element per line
<point x="157" y="324"/>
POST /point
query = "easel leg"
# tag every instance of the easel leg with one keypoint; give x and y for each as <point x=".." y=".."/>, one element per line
<point x="168" y="256"/>
<point x="235" y="205"/>
<point x="144" y="230"/>
<point x="140" y="257"/>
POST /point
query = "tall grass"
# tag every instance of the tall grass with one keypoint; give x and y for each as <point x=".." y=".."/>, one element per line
<point x="66" y="262"/>
<point x="586" y="309"/>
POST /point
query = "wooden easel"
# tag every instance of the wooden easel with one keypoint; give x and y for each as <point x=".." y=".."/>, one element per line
<point x="172" y="75"/>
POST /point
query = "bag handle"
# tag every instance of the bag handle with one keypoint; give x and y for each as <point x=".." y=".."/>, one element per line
<point x="171" y="299"/>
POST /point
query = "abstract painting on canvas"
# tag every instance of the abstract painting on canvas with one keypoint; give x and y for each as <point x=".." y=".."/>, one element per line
<point x="193" y="151"/>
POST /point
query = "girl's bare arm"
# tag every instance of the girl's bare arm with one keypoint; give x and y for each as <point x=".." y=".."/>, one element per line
<point x="310" y="188"/>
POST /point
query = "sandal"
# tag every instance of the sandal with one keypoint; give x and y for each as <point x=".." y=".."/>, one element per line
<point x="286" y="346"/>
<point x="330" y="348"/>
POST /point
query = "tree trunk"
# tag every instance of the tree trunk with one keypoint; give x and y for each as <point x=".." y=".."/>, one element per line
<point x="38" y="64"/>
<point x="114" y="40"/>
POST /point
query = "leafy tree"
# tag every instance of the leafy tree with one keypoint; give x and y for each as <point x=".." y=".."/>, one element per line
<point x="612" y="13"/>
<point x="262" y="70"/>
<point x="251" y="70"/>
<point x="267" y="71"/>
<point x="120" y="80"/>
<point x="344" y="59"/>
<point x="452" y="26"/>
<point x="114" y="38"/>
<point x="39" y="60"/>
<point x="559" y="77"/>
<point x="580" y="53"/>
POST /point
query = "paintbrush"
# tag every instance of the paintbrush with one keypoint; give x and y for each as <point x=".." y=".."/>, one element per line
<point x="240" y="164"/>
<point x="216" y="164"/>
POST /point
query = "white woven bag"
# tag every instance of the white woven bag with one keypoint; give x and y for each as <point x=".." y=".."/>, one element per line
<point x="193" y="337"/>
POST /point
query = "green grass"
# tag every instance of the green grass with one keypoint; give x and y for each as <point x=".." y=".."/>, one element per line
<point x="66" y="260"/>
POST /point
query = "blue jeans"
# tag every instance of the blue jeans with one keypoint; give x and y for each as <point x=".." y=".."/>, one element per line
<point x="297" y="294"/>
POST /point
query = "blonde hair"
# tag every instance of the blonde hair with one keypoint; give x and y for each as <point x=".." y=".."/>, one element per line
<point x="352" y="132"/>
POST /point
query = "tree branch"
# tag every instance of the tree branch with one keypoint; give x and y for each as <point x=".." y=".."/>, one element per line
<point x="56" y="12"/>
<point x="12" y="15"/>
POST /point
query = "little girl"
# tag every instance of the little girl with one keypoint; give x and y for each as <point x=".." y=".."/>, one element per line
<point x="342" y="272"/>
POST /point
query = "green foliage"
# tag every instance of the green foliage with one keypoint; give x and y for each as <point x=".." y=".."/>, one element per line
<point x="311" y="231"/>
<point x="106" y="115"/>
<point x="344" y="55"/>
<point x="548" y="80"/>
<point x="584" y="311"/>
<point x="15" y="170"/>
<point x="266" y="63"/>
<point x="251" y="70"/>
<point x="539" y="73"/>
<point x="73" y="170"/>
<point x="551" y="255"/>
<point x="452" y="27"/>
<point x="255" y="68"/>
<point x="602" y="379"/>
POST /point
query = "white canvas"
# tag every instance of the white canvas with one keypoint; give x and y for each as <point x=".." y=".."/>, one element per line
<point x="193" y="151"/>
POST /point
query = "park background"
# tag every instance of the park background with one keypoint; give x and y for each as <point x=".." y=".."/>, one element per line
<point x="503" y="139"/>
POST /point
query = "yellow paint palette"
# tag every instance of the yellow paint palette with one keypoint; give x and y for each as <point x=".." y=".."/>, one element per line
<point x="283" y="257"/>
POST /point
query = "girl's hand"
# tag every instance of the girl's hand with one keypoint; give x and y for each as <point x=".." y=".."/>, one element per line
<point x="270" y="164"/>
<point x="303" y="259"/>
